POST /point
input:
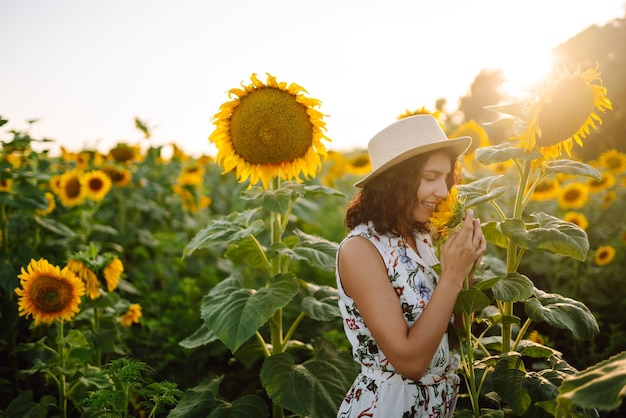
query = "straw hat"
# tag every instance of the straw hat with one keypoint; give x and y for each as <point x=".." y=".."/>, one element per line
<point x="407" y="138"/>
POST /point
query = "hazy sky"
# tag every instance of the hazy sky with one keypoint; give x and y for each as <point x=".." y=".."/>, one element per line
<point x="85" y="69"/>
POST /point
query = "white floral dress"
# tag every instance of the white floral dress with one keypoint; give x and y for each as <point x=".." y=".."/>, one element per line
<point x="378" y="390"/>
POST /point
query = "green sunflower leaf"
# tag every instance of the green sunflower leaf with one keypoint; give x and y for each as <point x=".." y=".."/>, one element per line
<point x="564" y="313"/>
<point x="278" y="200"/>
<point x="199" y="399"/>
<point x="575" y="168"/>
<point x="204" y="400"/>
<point x="317" y="189"/>
<point x="551" y="234"/>
<point x="314" y="388"/>
<point x="200" y="337"/>
<point x="235" y="313"/>
<point x="478" y="192"/>
<point x="244" y="407"/>
<point x="503" y="152"/>
<point x="509" y="380"/>
<point x="55" y="227"/>
<point x="316" y="251"/>
<point x="601" y="386"/>
<point x="233" y="228"/>
<point x="470" y="301"/>
<point x="513" y="288"/>
<point x="322" y="304"/>
<point x="494" y="235"/>
<point x="247" y="251"/>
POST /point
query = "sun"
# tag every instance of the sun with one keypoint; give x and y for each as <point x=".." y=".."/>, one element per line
<point x="523" y="70"/>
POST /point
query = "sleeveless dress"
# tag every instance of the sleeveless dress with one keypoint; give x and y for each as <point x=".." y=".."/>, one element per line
<point x="378" y="390"/>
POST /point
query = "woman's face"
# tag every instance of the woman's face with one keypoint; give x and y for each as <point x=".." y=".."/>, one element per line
<point x="433" y="187"/>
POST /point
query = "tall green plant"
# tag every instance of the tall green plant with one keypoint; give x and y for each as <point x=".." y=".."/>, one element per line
<point x="269" y="303"/>
<point x="506" y="373"/>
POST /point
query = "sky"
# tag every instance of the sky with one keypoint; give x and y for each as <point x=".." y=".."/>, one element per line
<point x="85" y="69"/>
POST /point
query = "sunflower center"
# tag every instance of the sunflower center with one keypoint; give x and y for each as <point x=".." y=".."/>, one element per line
<point x="614" y="163"/>
<point x="566" y="113"/>
<point x="122" y="153"/>
<point x="571" y="195"/>
<point x="50" y="294"/>
<point x="72" y="187"/>
<point x="269" y="126"/>
<point x="96" y="184"/>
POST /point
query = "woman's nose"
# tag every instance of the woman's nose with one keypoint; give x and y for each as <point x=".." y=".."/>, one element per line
<point x="442" y="190"/>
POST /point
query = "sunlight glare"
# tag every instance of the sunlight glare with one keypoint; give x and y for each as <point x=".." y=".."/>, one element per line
<point x="524" y="71"/>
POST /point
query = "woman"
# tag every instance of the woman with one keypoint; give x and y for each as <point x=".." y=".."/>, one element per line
<point x="396" y="308"/>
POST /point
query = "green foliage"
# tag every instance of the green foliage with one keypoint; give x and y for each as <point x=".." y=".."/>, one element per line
<point x="127" y="384"/>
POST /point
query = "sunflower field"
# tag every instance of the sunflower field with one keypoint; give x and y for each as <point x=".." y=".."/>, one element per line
<point x="146" y="282"/>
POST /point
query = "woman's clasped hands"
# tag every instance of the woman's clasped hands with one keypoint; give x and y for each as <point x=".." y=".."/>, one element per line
<point x="463" y="250"/>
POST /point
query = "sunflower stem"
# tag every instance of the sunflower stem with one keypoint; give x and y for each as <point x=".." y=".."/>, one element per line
<point x="276" y="322"/>
<point x="512" y="255"/>
<point x="522" y="331"/>
<point x="96" y="328"/>
<point x="4" y="218"/>
<point x="61" y="368"/>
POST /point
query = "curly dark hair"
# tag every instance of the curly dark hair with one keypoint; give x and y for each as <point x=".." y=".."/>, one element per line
<point x="388" y="199"/>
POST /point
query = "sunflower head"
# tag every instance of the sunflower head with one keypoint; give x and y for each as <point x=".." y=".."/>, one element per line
<point x="545" y="189"/>
<point x="449" y="214"/>
<point x="478" y="134"/>
<point x="614" y="161"/>
<point x="577" y="218"/>
<point x="120" y="176"/>
<point x="132" y="315"/>
<point x="573" y="195"/>
<point x="564" y="113"/>
<point x="5" y="184"/>
<point x="125" y="153"/>
<point x="97" y="184"/>
<point x="604" y="255"/>
<point x="48" y="292"/>
<point x="112" y="273"/>
<point x="87" y="275"/>
<point x="51" y="205"/>
<point x="422" y="111"/>
<point x="71" y="190"/>
<point x="607" y="180"/>
<point x="269" y="130"/>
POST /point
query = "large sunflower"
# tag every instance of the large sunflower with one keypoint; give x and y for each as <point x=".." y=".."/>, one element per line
<point x="48" y="293"/>
<point x="269" y="130"/>
<point x="564" y="113"/>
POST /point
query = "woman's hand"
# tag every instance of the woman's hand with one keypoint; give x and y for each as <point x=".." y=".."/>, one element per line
<point x="463" y="250"/>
